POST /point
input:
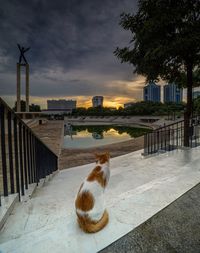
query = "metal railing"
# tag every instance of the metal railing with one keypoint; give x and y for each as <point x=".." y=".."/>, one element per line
<point x="24" y="158"/>
<point x="171" y="137"/>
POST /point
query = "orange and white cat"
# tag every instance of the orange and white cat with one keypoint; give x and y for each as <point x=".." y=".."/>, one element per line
<point x="90" y="207"/>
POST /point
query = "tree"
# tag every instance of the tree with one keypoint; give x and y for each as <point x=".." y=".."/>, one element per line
<point x="32" y="107"/>
<point x="23" y="106"/>
<point x="165" y="44"/>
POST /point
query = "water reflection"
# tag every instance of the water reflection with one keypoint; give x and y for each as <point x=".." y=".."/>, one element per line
<point x="92" y="136"/>
<point x="97" y="136"/>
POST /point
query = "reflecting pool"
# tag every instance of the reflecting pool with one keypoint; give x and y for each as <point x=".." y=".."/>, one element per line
<point x="94" y="136"/>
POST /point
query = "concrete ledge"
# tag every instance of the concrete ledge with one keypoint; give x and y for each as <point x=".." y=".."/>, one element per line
<point x="7" y="205"/>
<point x="29" y="192"/>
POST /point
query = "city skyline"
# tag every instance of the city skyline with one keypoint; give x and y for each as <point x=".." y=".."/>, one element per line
<point x="71" y="50"/>
<point x="71" y="54"/>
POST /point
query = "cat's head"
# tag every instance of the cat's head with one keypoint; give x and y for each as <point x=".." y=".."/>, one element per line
<point x="102" y="158"/>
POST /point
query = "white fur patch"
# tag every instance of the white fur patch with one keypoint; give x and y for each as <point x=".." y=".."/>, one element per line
<point x="97" y="191"/>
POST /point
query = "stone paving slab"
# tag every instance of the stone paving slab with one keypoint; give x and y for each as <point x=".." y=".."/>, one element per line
<point x="174" y="229"/>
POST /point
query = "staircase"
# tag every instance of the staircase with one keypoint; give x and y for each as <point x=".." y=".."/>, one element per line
<point x="138" y="189"/>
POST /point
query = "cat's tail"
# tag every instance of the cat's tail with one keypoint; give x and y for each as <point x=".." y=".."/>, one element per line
<point x="90" y="226"/>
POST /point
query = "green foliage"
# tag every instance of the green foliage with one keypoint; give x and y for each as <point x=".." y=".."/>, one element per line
<point x="165" y="44"/>
<point x="139" y="108"/>
<point x="196" y="105"/>
<point x="165" y="39"/>
<point x="23" y="106"/>
<point x="32" y="107"/>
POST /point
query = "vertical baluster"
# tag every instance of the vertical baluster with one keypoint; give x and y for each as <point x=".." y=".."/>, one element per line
<point x="165" y="136"/>
<point x="148" y="143"/>
<point x="151" y="144"/>
<point x="34" y="157"/>
<point x="181" y="133"/>
<point x="158" y="140"/>
<point x="16" y="156"/>
<point x="10" y="151"/>
<point x="28" y="156"/>
<point x="30" y="152"/>
<point x="3" y="149"/>
<point x="34" y="162"/>
<point x="55" y="162"/>
<point x="25" y="157"/>
<point x="145" y="136"/>
<point x="42" y="162"/>
<point x="21" y="158"/>
<point x="37" y="161"/>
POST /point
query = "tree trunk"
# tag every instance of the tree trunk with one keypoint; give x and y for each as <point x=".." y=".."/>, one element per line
<point x="189" y="109"/>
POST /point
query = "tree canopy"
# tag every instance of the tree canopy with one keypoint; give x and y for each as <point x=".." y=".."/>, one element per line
<point x="32" y="107"/>
<point x="138" y="108"/>
<point x="165" y="44"/>
<point x="165" y="39"/>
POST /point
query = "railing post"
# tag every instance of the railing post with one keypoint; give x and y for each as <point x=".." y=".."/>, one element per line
<point x="21" y="158"/>
<point x="10" y="150"/>
<point x="37" y="161"/>
<point x="16" y="157"/>
<point x="145" y="143"/>
<point x="34" y="161"/>
<point x="3" y="149"/>
<point x="25" y="156"/>
<point x="28" y="155"/>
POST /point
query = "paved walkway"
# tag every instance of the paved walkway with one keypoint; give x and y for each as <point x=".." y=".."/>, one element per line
<point x="175" y="229"/>
<point x="51" y="133"/>
<point x="138" y="189"/>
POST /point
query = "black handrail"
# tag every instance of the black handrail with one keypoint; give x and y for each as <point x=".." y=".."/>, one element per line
<point x="170" y="137"/>
<point x="25" y="159"/>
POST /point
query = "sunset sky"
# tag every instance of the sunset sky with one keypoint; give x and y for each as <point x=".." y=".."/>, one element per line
<point x="71" y="55"/>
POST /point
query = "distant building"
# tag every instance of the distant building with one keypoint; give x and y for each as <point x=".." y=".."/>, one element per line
<point x="97" y="101"/>
<point x="172" y="93"/>
<point x="195" y="94"/>
<point x="151" y="92"/>
<point x="128" y="104"/>
<point x="60" y="106"/>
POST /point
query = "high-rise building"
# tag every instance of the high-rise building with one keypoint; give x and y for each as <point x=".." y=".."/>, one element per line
<point x="97" y="101"/>
<point x="151" y="92"/>
<point x="172" y="93"/>
<point x="61" y="105"/>
<point x="195" y="94"/>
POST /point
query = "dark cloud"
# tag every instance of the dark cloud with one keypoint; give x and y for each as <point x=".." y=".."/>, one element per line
<point x="72" y="44"/>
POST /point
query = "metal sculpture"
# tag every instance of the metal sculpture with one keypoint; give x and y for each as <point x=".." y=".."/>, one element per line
<point x="22" y="62"/>
<point x="22" y="51"/>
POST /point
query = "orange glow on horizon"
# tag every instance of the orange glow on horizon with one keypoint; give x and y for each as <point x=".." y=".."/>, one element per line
<point x="82" y="101"/>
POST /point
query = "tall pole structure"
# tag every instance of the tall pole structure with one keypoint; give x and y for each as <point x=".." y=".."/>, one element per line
<point x="27" y="87"/>
<point x="18" y="88"/>
<point x="26" y="65"/>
